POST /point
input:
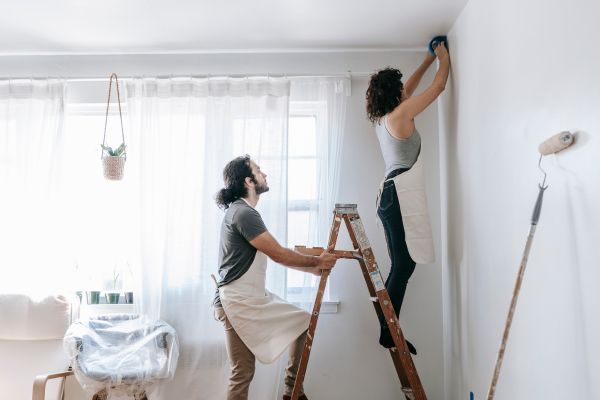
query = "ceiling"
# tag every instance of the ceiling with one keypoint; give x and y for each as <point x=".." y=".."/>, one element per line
<point x="185" y="26"/>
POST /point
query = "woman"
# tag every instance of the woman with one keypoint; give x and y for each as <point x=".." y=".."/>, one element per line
<point x="402" y="205"/>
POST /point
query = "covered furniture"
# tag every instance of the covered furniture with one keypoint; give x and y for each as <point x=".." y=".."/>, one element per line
<point x="124" y="354"/>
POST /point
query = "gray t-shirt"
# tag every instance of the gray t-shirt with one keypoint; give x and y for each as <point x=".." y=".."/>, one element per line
<point x="241" y="224"/>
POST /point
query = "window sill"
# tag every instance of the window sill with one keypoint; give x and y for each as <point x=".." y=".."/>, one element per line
<point x="330" y="307"/>
<point x="88" y="310"/>
<point x="327" y="306"/>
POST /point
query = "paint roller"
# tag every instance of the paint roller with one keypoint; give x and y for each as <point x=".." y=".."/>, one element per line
<point x="556" y="143"/>
<point x="435" y="41"/>
<point x="552" y="145"/>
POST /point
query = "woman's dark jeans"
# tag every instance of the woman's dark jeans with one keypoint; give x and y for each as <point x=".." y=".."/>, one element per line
<point x="402" y="264"/>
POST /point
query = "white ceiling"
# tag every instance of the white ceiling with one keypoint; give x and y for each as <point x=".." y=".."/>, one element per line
<point x="182" y="26"/>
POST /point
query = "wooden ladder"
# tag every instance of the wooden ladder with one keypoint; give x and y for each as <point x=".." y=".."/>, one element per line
<point x="409" y="379"/>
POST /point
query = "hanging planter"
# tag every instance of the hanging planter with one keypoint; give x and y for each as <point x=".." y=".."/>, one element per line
<point x="113" y="160"/>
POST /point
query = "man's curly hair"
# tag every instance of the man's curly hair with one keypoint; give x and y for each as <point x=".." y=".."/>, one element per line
<point x="384" y="93"/>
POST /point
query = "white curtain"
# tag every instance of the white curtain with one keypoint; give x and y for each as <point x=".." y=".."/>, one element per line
<point x="326" y="99"/>
<point x="31" y="119"/>
<point x="184" y="131"/>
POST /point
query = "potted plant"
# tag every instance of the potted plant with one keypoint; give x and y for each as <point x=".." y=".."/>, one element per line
<point x="128" y="284"/>
<point x="89" y="284"/>
<point x="113" y="161"/>
<point x="77" y="286"/>
<point x="93" y="296"/>
<point x="112" y="297"/>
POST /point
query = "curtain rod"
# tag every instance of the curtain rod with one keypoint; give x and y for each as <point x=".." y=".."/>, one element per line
<point x="210" y="76"/>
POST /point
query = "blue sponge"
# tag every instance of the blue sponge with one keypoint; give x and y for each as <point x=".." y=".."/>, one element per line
<point x="437" y="39"/>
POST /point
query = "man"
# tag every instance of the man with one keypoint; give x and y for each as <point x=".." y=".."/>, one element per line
<point x="258" y="324"/>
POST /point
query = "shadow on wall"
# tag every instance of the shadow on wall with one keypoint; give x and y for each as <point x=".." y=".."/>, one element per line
<point x="577" y="206"/>
<point x="455" y="273"/>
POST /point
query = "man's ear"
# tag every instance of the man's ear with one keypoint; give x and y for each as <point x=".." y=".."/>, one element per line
<point x="248" y="181"/>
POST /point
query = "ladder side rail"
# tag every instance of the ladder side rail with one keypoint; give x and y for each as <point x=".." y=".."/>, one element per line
<point x="333" y="234"/>
<point x="400" y="355"/>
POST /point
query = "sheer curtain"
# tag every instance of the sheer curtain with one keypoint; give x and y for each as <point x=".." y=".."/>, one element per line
<point x="326" y="99"/>
<point x="33" y="247"/>
<point x="184" y="131"/>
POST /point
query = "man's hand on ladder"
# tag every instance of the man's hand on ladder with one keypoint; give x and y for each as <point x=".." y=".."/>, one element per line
<point x="326" y="261"/>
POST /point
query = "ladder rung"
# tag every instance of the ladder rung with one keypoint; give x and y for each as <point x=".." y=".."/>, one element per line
<point x="317" y="251"/>
<point x="408" y="392"/>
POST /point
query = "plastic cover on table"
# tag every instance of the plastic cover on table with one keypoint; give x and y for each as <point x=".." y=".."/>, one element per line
<point x="125" y="354"/>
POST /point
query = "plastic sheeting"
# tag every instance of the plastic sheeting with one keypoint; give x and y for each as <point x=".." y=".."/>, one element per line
<point x="125" y="354"/>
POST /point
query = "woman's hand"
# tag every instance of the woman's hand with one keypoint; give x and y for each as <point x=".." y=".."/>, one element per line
<point x="440" y="51"/>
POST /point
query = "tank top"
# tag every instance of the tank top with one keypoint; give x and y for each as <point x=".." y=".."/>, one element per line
<point x="397" y="153"/>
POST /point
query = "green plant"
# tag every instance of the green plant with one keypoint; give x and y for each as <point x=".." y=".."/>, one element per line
<point x="115" y="279"/>
<point x="118" y="152"/>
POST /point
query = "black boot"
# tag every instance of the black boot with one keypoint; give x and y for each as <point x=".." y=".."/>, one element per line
<point x="386" y="340"/>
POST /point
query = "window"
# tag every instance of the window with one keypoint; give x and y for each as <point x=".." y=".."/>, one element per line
<point x="302" y="193"/>
<point x="302" y="185"/>
<point x="103" y="245"/>
<point x="101" y="220"/>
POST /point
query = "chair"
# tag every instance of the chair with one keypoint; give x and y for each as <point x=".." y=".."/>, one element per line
<point x="31" y="333"/>
<point x="126" y="354"/>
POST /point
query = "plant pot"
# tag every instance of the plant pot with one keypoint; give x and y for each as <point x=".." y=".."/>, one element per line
<point x="93" y="297"/>
<point x="128" y="297"/>
<point x="114" y="167"/>
<point x="112" y="298"/>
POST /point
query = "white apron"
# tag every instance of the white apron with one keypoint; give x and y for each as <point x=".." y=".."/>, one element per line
<point x="266" y="323"/>
<point x="410" y="188"/>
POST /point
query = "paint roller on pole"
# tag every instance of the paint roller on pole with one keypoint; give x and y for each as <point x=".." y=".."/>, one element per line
<point x="553" y="145"/>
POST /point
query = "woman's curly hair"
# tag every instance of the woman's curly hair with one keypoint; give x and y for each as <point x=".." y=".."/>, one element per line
<point x="384" y="93"/>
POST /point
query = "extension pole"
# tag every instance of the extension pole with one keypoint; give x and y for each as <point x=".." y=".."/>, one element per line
<point x="513" y="304"/>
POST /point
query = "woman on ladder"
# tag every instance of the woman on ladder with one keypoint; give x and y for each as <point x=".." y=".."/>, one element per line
<point x="401" y="204"/>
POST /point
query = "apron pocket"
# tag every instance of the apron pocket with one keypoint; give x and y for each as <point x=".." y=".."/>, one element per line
<point x="387" y="200"/>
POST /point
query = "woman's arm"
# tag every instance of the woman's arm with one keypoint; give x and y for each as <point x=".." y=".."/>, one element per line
<point x="400" y="119"/>
<point x="414" y="80"/>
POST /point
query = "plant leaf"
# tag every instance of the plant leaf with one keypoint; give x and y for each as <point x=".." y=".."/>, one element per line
<point x="121" y="150"/>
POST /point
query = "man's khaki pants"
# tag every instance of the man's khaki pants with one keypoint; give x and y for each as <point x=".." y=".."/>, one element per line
<point x="242" y="361"/>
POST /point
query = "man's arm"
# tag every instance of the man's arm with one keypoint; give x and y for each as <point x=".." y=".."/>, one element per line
<point x="266" y="243"/>
<point x="411" y="84"/>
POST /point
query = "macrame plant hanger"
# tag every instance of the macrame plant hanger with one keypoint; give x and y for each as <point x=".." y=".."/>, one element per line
<point x="113" y="160"/>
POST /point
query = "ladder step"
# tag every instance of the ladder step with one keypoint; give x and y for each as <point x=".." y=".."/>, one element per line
<point x="375" y="299"/>
<point x="408" y="392"/>
<point x="346" y="208"/>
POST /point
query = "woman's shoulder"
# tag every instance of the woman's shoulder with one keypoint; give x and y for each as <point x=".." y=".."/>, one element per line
<point x="398" y="126"/>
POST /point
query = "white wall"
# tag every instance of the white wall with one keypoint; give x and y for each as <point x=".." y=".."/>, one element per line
<point x="347" y="361"/>
<point x="522" y="71"/>
<point x="347" y="349"/>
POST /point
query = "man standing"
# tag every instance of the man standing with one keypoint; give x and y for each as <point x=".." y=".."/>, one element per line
<point x="258" y="324"/>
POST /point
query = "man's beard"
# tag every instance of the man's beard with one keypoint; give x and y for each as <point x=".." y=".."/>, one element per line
<point x="260" y="189"/>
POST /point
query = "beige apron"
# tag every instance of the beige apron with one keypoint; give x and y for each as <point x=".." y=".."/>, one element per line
<point x="266" y="323"/>
<point x="410" y="188"/>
